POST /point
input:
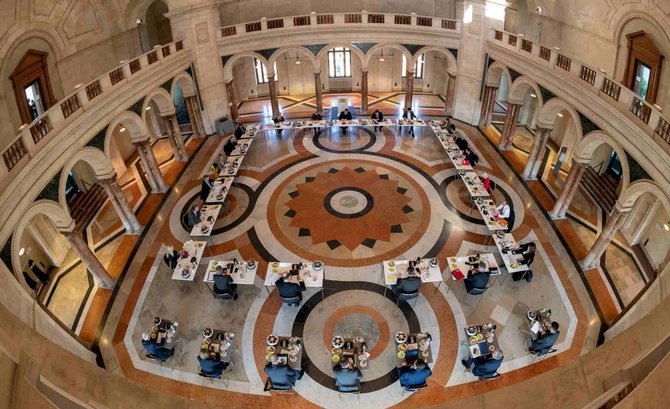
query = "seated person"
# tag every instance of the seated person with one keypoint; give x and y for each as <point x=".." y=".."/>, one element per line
<point x="347" y="378"/>
<point x="478" y="277"/>
<point x="155" y="350"/>
<point x="171" y="257"/>
<point x="206" y="187"/>
<point x="545" y="340"/>
<point x="281" y="376"/>
<point x="316" y="116"/>
<point x="503" y="211"/>
<point x="223" y="282"/>
<point x="211" y="365"/>
<point x="229" y="147"/>
<point x="345" y="116"/>
<point x="527" y="252"/>
<point x="379" y="117"/>
<point x="240" y="130"/>
<point x="462" y="143"/>
<point x="486" y="181"/>
<point x="407" y="285"/>
<point x="414" y="376"/>
<point x="485" y="367"/>
<point x="471" y="157"/>
<point x="278" y="120"/>
<point x="192" y="217"/>
<point x="288" y="289"/>
<point x="452" y="128"/>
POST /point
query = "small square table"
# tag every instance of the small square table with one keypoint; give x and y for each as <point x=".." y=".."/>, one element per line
<point x="352" y="348"/>
<point x="283" y="349"/>
<point x="220" y="189"/>
<point x="241" y="273"/>
<point x="308" y="275"/>
<point x="194" y="249"/>
<point x="484" y="341"/>
<point x="512" y="261"/>
<point x="395" y="269"/>
<point x="412" y="343"/>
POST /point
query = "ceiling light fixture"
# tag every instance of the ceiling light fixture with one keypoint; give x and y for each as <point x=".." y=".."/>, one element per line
<point x="22" y="251"/>
<point x="122" y="130"/>
<point x="147" y="108"/>
<point x="382" y="56"/>
<point x="666" y="227"/>
<point x="560" y="114"/>
<point x="533" y="96"/>
<point x="138" y="21"/>
<point x="297" y="61"/>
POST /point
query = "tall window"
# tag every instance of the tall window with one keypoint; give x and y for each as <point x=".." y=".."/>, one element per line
<point x="418" y="66"/>
<point x="262" y="72"/>
<point x="339" y="63"/>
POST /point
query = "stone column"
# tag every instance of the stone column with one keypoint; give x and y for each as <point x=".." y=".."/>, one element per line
<point x="492" y="103"/>
<point x="319" y="92"/>
<point x="568" y="192"/>
<point x="449" y="100"/>
<point x="507" y="134"/>
<point x="409" y="88"/>
<point x="614" y="223"/>
<point x="150" y="166"/>
<point x="195" y="107"/>
<point x="536" y="152"/>
<point x="364" y="91"/>
<point x="232" y="101"/>
<point x="170" y="135"/>
<point x="89" y="259"/>
<point x="488" y="100"/>
<point x="191" y="118"/>
<point x="179" y="139"/>
<point x="646" y="221"/>
<point x="121" y="205"/>
<point x="274" y="101"/>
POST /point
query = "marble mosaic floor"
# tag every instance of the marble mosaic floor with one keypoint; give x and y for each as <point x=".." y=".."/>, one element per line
<point x="351" y="201"/>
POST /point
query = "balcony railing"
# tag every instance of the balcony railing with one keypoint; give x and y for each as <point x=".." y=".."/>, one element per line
<point x="30" y="136"/>
<point x="648" y="117"/>
<point x="314" y="20"/>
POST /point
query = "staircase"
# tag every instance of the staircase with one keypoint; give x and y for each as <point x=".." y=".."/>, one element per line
<point x="84" y="205"/>
<point x="601" y="187"/>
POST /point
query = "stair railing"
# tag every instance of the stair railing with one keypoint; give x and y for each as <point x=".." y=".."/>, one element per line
<point x="598" y="167"/>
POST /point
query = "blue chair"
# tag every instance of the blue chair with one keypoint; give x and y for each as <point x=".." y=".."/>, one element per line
<point x="489" y="376"/>
<point x="281" y="388"/>
<point x="292" y="300"/>
<point x="407" y="296"/>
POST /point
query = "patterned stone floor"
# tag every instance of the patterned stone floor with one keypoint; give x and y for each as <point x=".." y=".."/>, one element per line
<point x="352" y="202"/>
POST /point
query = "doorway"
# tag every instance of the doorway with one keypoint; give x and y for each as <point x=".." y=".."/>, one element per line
<point x="34" y="99"/>
<point x="32" y="86"/>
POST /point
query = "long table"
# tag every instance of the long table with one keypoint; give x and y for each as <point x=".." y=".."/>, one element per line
<point x="310" y="276"/>
<point x="194" y="249"/>
<point x="208" y="216"/>
<point x="220" y="189"/>
<point x="241" y="273"/>
<point x="395" y="269"/>
<point x="512" y="261"/>
<point x="462" y="263"/>
<point x="487" y="208"/>
<point x="242" y="147"/>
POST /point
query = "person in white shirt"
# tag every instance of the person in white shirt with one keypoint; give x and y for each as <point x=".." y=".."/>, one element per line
<point x="503" y="210"/>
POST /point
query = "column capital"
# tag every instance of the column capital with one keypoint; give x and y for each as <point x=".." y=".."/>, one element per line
<point x="109" y="179"/>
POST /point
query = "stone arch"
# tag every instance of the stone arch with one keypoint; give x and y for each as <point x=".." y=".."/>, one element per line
<point x="186" y="83"/>
<point x="638" y="188"/>
<point x="495" y="72"/>
<point x="550" y="109"/>
<point x="395" y="46"/>
<point x="591" y="142"/>
<point x="228" y="66"/>
<point x="302" y="50"/>
<point x="518" y="89"/>
<point x="134" y="125"/>
<point x="354" y="50"/>
<point x="163" y="100"/>
<point x="629" y="12"/>
<point x="54" y="211"/>
<point x="452" y="65"/>
<point x="96" y="159"/>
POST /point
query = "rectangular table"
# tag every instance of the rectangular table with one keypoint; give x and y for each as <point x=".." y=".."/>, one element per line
<point x="447" y="141"/>
<point x="208" y="216"/>
<point x="456" y="156"/>
<point x="284" y="347"/>
<point x="220" y="189"/>
<point x="512" y="261"/>
<point x="461" y="263"/>
<point x="165" y="334"/>
<point x="219" y="343"/>
<point x="252" y="130"/>
<point x="241" y="274"/>
<point x="411" y="122"/>
<point x="480" y="343"/>
<point x="394" y="269"/>
<point x="231" y="166"/>
<point x="474" y="184"/>
<point x="194" y="249"/>
<point x="542" y="319"/>
<point x="356" y="349"/>
<point x="308" y="275"/>
<point x="487" y="208"/>
<point x="242" y="147"/>
<point x="414" y="342"/>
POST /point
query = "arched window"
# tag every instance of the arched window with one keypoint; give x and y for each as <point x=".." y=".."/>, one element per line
<point x="418" y="66"/>
<point x="339" y="63"/>
<point x="262" y="72"/>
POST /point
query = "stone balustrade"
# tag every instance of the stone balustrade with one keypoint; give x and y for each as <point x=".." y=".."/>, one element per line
<point x="31" y="136"/>
<point x="647" y="117"/>
<point x="342" y="21"/>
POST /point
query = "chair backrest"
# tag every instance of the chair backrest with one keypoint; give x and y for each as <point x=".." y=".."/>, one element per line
<point x="291" y="300"/>
<point x="408" y="296"/>
<point x="492" y="185"/>
<point x="223" y="296"/>
<point x="477" y="290"/>
<point x="489" y="377"/>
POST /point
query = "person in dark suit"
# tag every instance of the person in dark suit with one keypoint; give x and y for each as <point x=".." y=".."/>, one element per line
<point x="471" y="157"/>
<point x="229" y="147"/>
<point x="240" y="130"/>
<point x="347" y="378"/>
<point x="223" y="282"/>
<point x="316" y="116"/>
<point x="288" y="289"/>
<point x="527" y="252"/>
<point x="206" y="187"/>
<point x="278" y="120"/>
<point x="379" y="117"/>
<point x="344" y="116"/>
<point x="156" y="350"/>
<point x="409" y="114"/>
<point x="171" y="257"/>
<point x="485" y="367"/>
<point x="192" y="217"/>
<point x="407" y="285"/>
<point x="545" y="340"/>
<point x="281" y="376"/>
<point x="414" y="376"/>
<point x="37" y="271"/>
<point x="462" y="143"/>
<point x="211" y="366"/>
<point x="478" y="277"/>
